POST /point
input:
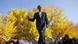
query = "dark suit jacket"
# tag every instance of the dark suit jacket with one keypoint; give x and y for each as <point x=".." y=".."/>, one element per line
<point x="40" y="22"/>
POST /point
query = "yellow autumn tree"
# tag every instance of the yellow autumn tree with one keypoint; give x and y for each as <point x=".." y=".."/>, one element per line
<point x="9" y="29"/>
<point x="1" y="24"/>
<point x="55" y="14"/>
<point x="60" y="21"/>
<point x="16" y="25"/>
<point x="24" y="28"/>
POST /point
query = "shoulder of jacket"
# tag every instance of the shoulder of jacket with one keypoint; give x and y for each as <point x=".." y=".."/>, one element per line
<point x="44" y="12"/>
<point x="36" y="13"/>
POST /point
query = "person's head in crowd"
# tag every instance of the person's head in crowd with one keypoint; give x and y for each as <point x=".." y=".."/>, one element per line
<point x="74" y="38"/>
<point x="66" y="36"/>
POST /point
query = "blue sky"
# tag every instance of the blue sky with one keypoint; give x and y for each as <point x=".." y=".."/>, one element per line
<point x="70" y="6"/>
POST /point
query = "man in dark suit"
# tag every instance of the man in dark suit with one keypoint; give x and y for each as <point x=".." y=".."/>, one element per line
<point x="41" y="23"/>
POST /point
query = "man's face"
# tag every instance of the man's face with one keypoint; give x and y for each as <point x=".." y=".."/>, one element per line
<point x="39" y="8"/>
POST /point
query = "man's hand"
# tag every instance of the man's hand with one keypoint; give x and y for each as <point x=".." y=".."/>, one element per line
<point x="49" y="24"/>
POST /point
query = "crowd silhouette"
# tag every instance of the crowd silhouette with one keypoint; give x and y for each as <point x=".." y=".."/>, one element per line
<point x="65" y="40"/>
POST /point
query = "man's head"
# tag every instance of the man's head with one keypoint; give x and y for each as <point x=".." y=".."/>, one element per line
<point x="39" y="8"/>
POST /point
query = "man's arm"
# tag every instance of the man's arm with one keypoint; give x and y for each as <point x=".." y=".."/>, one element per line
<point x="32" y="18"/>
<point x="46" y="19"/>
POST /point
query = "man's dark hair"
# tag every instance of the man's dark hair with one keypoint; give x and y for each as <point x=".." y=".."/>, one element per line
<point x="39" y="6"/>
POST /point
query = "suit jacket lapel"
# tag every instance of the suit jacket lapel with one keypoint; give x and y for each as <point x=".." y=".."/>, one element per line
<point x="39" y="16"/>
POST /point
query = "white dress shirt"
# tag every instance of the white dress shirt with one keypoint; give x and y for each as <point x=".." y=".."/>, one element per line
<point x="40" y="14"/>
